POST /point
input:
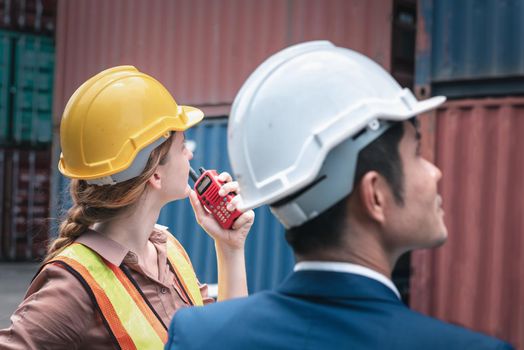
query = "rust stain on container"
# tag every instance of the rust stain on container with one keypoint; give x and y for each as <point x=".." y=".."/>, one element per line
<point x="477" y="278"/>
<point x="204" y="50"/>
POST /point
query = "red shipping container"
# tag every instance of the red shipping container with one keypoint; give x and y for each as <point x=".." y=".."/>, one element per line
<point x="477" y="278"/>
<point x="204" y="50"/>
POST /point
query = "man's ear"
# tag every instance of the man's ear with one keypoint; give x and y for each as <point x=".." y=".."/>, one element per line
<point x="155" y="180"/>
<point x="372" y="194"/>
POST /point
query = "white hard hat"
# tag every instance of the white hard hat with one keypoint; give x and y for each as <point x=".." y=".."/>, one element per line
<point x="292" y="135"/>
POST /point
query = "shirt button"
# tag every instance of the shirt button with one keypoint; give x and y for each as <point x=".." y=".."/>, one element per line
<point x="163" y="290"/>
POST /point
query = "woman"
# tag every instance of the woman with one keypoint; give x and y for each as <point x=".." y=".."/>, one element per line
<point x="113" y="278"/>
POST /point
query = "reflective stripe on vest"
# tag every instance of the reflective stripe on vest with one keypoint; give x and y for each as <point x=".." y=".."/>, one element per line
<point x="184" y="270"/>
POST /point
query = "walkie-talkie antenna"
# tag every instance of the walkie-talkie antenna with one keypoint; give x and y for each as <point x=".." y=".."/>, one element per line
<point x="193" y="174"/>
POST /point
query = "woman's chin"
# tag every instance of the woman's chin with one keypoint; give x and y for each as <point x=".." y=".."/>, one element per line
<point x="181" y="195"/>
<point x="187" y="191"/>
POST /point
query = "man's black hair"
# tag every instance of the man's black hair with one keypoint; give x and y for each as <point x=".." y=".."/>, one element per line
<point x="383" y="156"/>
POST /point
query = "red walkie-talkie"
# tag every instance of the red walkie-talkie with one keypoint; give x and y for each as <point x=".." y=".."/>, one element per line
<point x="207" y="186"/>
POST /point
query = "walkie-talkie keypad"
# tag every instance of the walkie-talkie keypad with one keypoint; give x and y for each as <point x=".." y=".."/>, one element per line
<point x="221" y="211"/>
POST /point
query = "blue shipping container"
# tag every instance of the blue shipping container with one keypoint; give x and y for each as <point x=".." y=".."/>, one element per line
<point x="269" y="259"/>
<point x="475" y="48"/>
<point x="33" y="82"/>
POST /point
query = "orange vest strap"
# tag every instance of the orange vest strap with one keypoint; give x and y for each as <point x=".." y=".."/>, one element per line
<point x="116" y="328"/>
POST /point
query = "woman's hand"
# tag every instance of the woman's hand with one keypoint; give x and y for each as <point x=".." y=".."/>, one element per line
<point x="234" y="238"/>
<point x="229" y="244"/>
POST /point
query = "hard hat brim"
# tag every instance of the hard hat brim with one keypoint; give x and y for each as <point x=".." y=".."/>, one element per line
<point x="428" y="105"/>
<point x="194" y="116"/>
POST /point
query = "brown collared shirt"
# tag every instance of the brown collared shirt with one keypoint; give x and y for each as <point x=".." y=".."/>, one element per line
<point x="57" y="312"/>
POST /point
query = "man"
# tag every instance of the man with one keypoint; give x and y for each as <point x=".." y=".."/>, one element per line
<point x="330" y="141"/>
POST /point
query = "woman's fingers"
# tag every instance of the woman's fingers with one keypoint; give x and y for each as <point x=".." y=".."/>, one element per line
<point x="233" y="204"/>
<point x="228" y="188"/>
<point x="246" y="218"/>
<point x="225" y="177"/>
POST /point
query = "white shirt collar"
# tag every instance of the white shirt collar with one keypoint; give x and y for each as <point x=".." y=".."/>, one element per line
<point x="348" y="268"/>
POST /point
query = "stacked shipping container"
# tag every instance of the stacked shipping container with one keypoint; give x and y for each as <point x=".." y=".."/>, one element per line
<point x="26" y="203"/>
<point x="26" y="89"/>
<point x="474" y="49"/>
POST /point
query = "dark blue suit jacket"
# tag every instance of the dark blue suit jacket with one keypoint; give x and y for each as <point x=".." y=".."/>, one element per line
<point x="319" y="310"/>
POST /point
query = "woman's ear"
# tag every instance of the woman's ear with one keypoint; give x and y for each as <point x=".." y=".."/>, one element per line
<point x="372" y="192"/>
<point x="155" y="180"/>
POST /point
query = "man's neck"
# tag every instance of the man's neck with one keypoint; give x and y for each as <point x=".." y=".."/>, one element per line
<point x="359" y="250"/>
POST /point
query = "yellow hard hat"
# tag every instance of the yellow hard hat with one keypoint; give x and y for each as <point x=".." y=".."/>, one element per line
<point x="114" y="116"/>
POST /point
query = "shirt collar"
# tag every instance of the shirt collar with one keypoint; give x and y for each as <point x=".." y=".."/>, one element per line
<point x="113" y="251"/>
<point x="347" y="268"/>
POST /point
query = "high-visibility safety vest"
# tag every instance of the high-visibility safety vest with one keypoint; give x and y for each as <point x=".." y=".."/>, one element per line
<point x="129" y="317"/>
